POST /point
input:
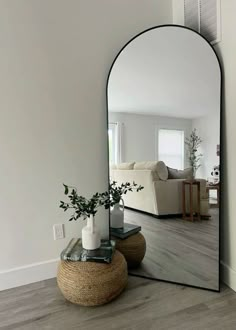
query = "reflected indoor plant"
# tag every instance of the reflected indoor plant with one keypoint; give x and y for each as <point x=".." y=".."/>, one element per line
<point x="193" y="143"/>
<point x="117" y="203"/>
<point x="86" y="209"/>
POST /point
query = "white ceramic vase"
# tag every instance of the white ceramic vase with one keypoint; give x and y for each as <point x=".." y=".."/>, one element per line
<point x="91" y="238"/>
<point x="117" y="216"/>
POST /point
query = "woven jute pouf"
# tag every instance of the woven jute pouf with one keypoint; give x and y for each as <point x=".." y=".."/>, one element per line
<point x="92" y="283"/>
<point x="133" y="248"/>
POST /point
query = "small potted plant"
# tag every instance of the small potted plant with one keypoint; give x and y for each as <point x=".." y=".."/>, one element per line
<point x="116" y="193"/>
<point x="87" y="209"/>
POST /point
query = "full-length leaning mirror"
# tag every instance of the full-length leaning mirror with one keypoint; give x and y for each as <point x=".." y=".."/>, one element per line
<point x="164" y="109"/>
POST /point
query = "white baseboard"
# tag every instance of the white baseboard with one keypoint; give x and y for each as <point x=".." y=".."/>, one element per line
<point x="228" y="275"/>
<point x="35" y="272"/>
<point x="48" y="269"/>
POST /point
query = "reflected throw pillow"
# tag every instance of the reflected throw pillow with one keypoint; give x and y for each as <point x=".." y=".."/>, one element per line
<point x="173" y="173"/>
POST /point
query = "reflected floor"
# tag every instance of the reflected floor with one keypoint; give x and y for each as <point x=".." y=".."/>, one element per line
<point x="179" y="251"/>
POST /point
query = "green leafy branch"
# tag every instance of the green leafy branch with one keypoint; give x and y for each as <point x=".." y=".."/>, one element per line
<point x="116" y="192"/>
<point x="83" y="207"/>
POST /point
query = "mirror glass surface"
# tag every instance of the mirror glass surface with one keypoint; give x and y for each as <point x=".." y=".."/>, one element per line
<point x="164" y="105"/>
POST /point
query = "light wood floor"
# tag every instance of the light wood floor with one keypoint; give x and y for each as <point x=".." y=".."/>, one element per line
<point x="145" y="304"/>
<point x="180" y="251"/>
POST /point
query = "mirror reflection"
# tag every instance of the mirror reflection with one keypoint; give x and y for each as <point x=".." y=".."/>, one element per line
<point x="164" y="135"/>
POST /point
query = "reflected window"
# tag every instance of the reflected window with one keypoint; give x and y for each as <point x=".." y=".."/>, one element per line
<point x="171" y="147"/>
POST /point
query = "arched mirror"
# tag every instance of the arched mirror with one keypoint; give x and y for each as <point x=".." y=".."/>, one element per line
<point x="164" y="110"/>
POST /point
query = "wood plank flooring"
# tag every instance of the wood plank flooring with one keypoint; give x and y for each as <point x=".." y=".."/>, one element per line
<point x="180" y="251"/>
<point x="145" y="304"/>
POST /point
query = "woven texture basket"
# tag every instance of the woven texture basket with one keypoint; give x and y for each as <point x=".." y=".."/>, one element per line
<point x="92" y="283"/>
<point x="133" y="248"/>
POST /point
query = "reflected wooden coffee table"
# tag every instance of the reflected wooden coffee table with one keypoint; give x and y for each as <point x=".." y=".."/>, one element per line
<point x="192" y="215"/>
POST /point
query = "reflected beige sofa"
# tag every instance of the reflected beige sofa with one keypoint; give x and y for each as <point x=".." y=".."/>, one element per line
<point x="162" y="194"/>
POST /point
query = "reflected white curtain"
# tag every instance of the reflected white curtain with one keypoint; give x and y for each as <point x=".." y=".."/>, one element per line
<point x="116" y="140"/>
<point x="119" y="142"/>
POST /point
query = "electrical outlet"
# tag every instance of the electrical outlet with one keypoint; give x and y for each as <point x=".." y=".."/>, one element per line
<point x="58" y="231"/>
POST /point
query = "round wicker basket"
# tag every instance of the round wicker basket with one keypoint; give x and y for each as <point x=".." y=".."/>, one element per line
<point x="92" y="283"/>
<point x="133" y="248"/>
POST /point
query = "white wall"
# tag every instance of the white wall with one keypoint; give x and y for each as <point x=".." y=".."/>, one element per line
<point x="140" y="137"/>
<point x="226" y="50"/>
<point x="208" y="128"/>
<point x="178" y="11"/>
<point x="54" y="60"/>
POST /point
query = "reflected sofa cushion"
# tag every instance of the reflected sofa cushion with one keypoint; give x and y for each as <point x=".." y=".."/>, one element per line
<point x="149" y="165"/>
<point x="158" y="169"/>
<point x="173" y="173"/>
<point x="125" y="166"/>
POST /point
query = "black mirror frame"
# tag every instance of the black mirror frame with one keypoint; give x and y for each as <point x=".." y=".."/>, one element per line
<point x="221" y="141"/>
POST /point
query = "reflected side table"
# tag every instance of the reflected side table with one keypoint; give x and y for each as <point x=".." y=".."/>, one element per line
<point x="190" y="185"/>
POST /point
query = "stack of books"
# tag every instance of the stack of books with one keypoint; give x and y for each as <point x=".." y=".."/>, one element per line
<point x="75" y="251"/>
<point x="125" y="232"/>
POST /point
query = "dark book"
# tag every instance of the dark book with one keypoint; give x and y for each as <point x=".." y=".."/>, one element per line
<point x="126" y="231"/>
<point x="75" y="251"/>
